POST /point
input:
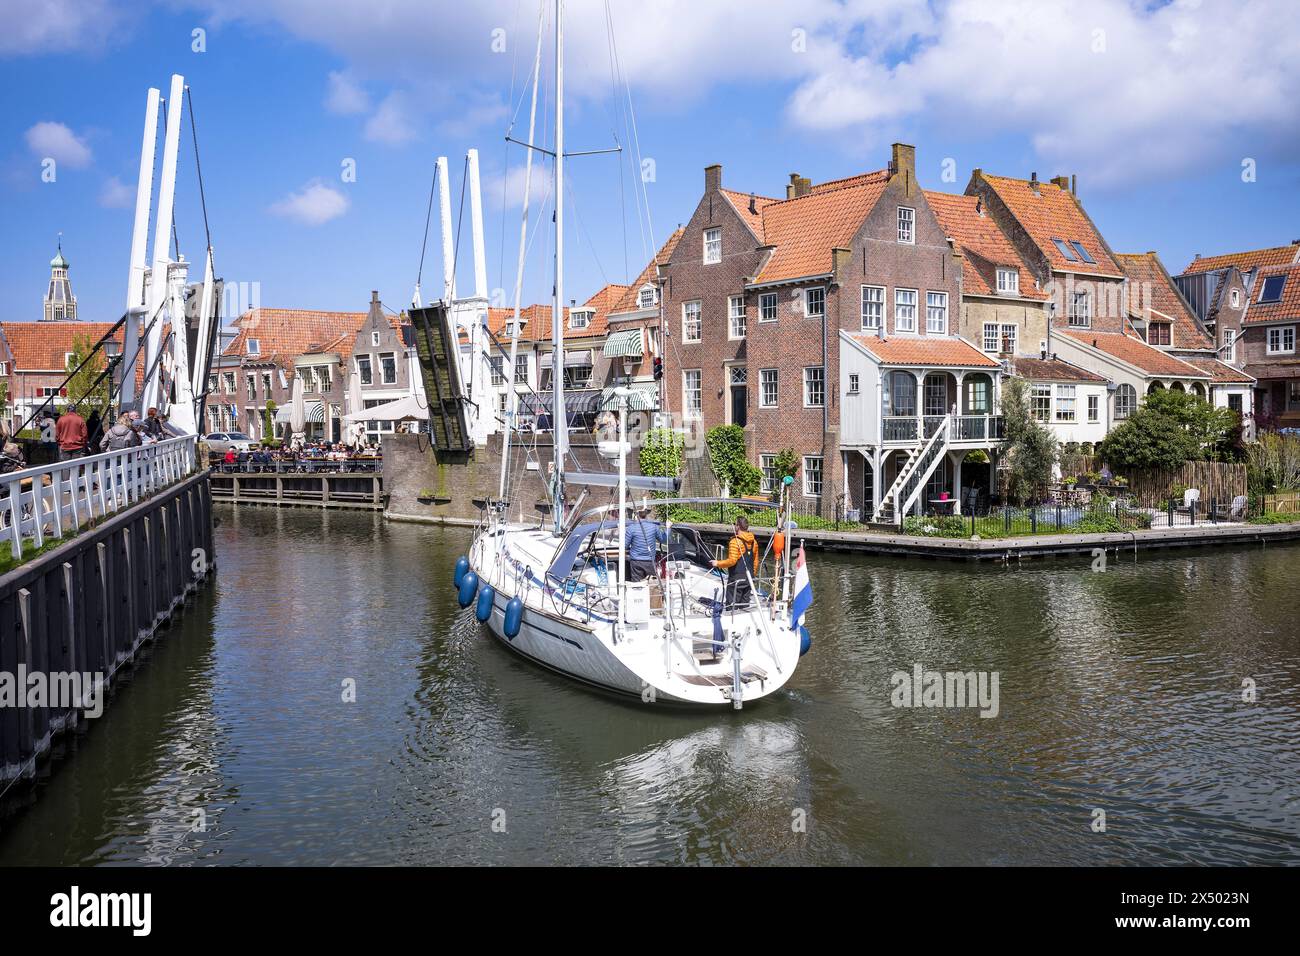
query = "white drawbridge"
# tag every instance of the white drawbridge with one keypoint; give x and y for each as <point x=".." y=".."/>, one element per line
<point x="156" y="288"/>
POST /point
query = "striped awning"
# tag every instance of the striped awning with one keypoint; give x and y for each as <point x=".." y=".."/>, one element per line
<point x="624" y="344"/>
<point x="315" y="413"/>
<point x="644" y="397"/>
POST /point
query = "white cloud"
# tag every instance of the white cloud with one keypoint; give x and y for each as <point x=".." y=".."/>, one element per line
<point x="1114" y="89"/>
<point x="56" y="141"/>
<point x="392" y="123"/>
<point x="116" y="194"/>
<point x="36" y="27"/>
<point x="509" y="189"/>
<point x="345" y="96"/>
<point x="313" y="205"/>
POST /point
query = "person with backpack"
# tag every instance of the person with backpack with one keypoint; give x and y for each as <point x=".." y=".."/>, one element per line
<point x="120" y="436"/>
<point x="741" y="549"/>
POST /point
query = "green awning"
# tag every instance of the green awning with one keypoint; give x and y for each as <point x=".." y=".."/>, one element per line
<point x="644" y="398"/>
<point x="624" y="344"/>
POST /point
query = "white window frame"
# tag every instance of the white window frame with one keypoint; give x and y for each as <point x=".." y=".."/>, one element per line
<point x="253" y="347"/>
<point x="1126" y="408"/>
<point x="374" y="338"/>
<point x="907" y="225"/>
<point x="1230" y="344"/>
<point x="1067" y="397"/>
<point x="689" y="413"/>
<point x="764" y="301"/>
<point x="767" y="465"/>
<point x="813" y="381"/>
<point x="854" y="380"/>
<point x="1236" y="298"/>
<point x="579" y="319"/>
<point x="807" y="471"/>
<point x="713" y="245"/>
<point x="936" y="303"/>
<point x="910" y="324"/>
<point x="764" y="380"/>
<point x="869" y="303"/>
<point x="1094" y="409"/>
<point x="737" y="324"/>
<point x="698" y="310"/>
<point x="1078" y="318"/>
<point x="521" y="369"/>
<point x="383" y="376"/>
<point x="641" y="298"/>
<point x="1036" y="394"/>
<point x="808" y="294"/>
<point x="497" y="370"/>
<point x="1008" y="281"/>
<point x="1283" y="333"/>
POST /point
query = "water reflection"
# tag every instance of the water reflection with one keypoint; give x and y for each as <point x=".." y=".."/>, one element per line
<point x="1119" y="690"/>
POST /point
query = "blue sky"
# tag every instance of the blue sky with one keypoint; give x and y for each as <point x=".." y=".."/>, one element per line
<point x="1155" y="106"/>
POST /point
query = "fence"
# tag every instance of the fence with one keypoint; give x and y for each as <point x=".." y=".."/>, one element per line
<point x="1100" y="516"/>
<point x="53" y="501"/>
<point x="827" y="513"/>
<point x="1218" y="480"/>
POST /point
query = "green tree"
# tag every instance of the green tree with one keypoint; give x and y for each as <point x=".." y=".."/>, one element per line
<point x="83" y="393"/>
<point x="268" y="424"/>
<point x="730" y="460"/>
<point x="1148" y="439"/>
<point x="1213" y="431"/>
<point x="1029" y="448"/>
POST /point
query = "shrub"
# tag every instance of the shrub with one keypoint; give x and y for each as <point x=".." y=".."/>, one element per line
<point x="730" y="461"/>
<point x="1030" y="447"/>
<point x="661" y="453"/>
<point x="1273" y="463"/>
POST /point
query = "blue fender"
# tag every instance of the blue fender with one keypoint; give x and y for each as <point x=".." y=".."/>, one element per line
<point x="514" y="617"/>
<point x="805" y="640"/>
<point x="486" y="601"/>
<point x="462" y="565"/>
<point x="468" y="588"/>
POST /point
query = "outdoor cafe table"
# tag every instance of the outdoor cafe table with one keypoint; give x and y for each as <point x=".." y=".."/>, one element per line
<point x="942" y="506"/>
<point x="309" y="466"/>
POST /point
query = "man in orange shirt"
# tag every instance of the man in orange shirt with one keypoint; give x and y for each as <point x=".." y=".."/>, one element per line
<point x="742" y="548"/>
<point x="70" y="432"/>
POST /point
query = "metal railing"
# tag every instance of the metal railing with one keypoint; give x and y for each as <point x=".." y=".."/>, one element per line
<point x="54" y="501"/>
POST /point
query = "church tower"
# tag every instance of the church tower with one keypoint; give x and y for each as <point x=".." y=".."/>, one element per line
<point x="60" y="303"/>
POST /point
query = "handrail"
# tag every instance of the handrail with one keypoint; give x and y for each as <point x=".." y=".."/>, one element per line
<point x="83" y="489"/>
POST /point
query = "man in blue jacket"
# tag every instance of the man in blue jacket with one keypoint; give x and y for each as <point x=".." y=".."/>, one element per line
<point x="641" y="540"/>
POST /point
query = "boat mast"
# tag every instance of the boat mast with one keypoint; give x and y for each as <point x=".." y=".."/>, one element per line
<point x="512" y="395"/>
<point x="559" y="420"/>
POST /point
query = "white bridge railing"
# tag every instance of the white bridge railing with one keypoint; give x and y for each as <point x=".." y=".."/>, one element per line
<point x="53" y="501"/>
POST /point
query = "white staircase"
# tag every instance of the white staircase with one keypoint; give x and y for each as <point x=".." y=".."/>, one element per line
<point x="912" y="477"/>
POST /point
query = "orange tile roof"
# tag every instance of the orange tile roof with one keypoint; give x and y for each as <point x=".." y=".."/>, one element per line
<point x="1288" y="307"/>
<point x="741" y="203"/>
<point x="628" y="301"/>
<point x="984" y="246"/>
<point x="804" y="230"/>
<point x="43" y="346"/>
<point x="1147" y="271"/>
<point x="1245" y="261"/>
<point x="1054" y="213"/>
<point x="923" y="350"/>
<point x="283" y="334"/>
<point x="1219" y="372"/>
<point x="1130" y="349"/>
<point x="1053" y="370"/>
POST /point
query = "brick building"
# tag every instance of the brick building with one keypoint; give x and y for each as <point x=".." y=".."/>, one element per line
<point x="1250" y="304"/>
<point x="763" y="296"/>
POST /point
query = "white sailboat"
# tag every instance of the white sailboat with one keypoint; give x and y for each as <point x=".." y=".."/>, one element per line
<point x="556" y="592"/>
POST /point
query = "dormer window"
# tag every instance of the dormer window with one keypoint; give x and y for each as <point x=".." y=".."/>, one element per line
<point x="1008" y="282"/>
<point x="579" y="318"/>
<point x="1158" y="333"/>
<point x="646" y="297"/>
<point x="254" y="347"/>
<point x="906" y="225"/>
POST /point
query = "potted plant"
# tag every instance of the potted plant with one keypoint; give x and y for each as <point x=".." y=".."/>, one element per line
<point x="427" y="497"/>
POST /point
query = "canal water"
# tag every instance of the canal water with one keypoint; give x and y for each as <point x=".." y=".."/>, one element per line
<point x="1120" y="693"/>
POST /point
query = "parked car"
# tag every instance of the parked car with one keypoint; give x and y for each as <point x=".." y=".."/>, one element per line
<point x="220" y="442"/>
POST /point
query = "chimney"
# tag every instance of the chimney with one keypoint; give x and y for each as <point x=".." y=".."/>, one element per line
<point x="712" y="178"/>
<point x="1061" y="182"/>
<point x="753" y="205"/>
<point x="798" y="186"/>
<point x="903" y="163"/>
<point x="1074" y="184"/>
<point x="1033" y="183"/>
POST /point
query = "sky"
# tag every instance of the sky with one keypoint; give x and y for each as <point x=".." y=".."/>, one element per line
<point x="1179" y="120"/>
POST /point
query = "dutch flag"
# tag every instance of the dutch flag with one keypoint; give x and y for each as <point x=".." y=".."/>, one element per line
<point x="803" y="593"/>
